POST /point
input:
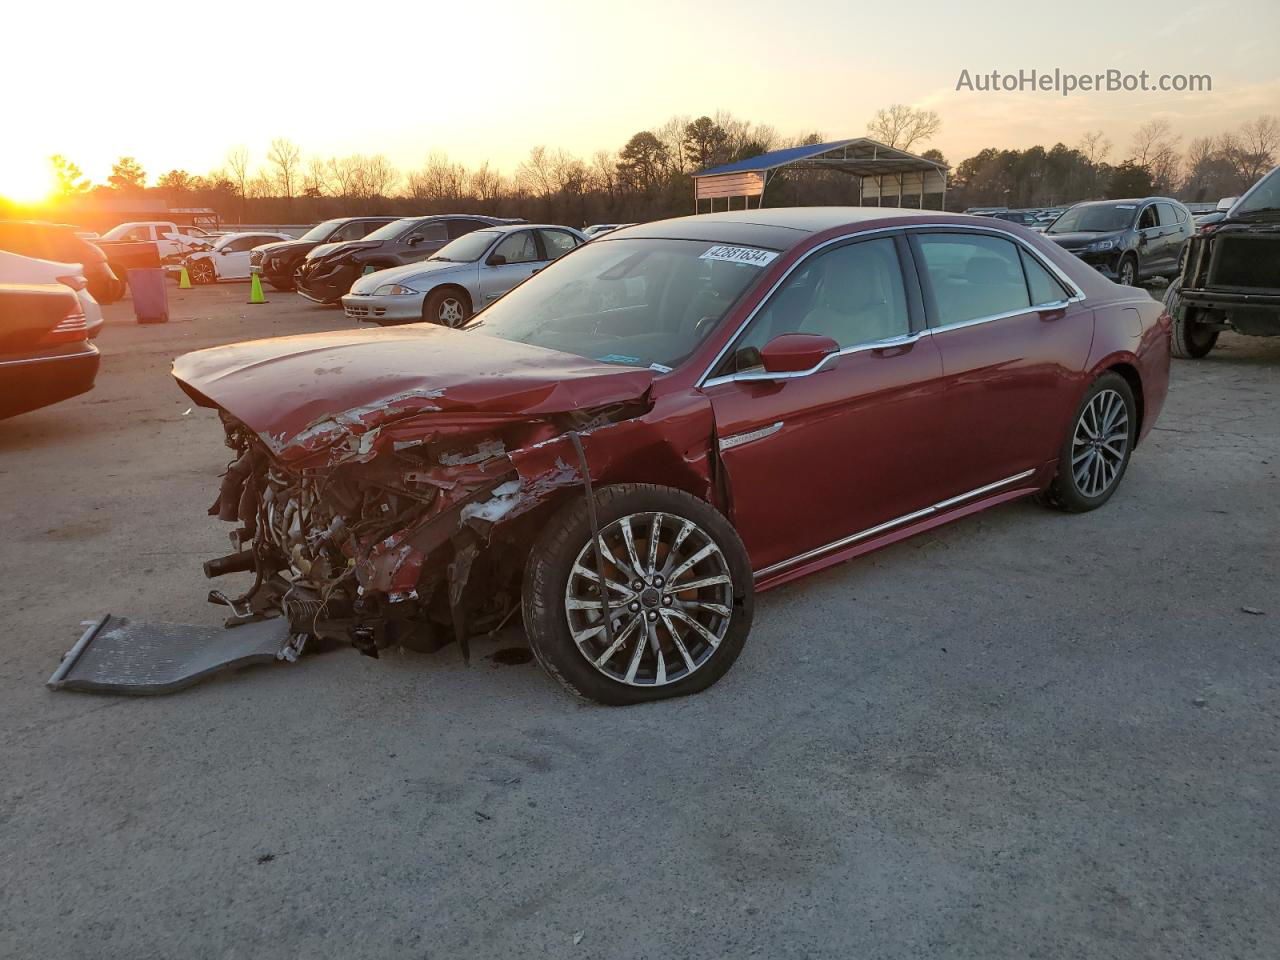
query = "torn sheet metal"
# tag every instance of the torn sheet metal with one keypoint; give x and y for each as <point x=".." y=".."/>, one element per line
<point x="119" y="655"/>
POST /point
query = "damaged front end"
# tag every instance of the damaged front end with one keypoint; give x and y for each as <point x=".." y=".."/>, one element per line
<point x="394" y="525"/>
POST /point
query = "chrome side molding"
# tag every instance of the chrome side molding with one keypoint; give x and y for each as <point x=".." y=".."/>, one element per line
<point x="891" y="524"/>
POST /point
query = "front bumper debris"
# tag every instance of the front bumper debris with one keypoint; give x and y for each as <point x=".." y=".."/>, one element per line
<point x="118" y="655"/>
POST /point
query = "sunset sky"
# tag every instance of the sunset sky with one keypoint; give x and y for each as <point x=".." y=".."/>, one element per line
<point x="176" y="85"/>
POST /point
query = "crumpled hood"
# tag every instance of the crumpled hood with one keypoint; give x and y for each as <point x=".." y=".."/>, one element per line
<point x="433" y="270"/>
<point x="308" y="391"/>
<point x="1074" y="241"/>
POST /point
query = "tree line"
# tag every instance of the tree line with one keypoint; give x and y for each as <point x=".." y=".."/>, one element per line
<point x="650" y="176"/>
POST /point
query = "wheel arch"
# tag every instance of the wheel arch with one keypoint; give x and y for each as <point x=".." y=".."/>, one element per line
<point x="454" y="287"/>
<point x="1129" y="372"/>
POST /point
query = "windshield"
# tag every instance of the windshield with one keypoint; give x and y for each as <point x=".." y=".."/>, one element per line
<point x="632" y="302"/>
<point x="1264" y="196"/>
<point x="389" y="231"/>
<point x="468" y="248"/>
<point x="320" y="230"/>
<point x="117" y="233"/>
<point x="1095" y="218"/>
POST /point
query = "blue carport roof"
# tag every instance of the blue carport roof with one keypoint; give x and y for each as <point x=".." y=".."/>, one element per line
<point x="775" y="158"/>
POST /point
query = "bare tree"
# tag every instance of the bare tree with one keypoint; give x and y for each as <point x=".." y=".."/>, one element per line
<point x="285" y="156"/>
<point x="238" y="174"/>
<point x="1252" y="151"/>
<point x="1155" y="148"/>
<point x="1094" y="146"/>
<point x="486" y="186"/>
<point x="375" y="176"/>
<point x="902" y="126"/>
<point x="439" y="182"/>
<point x="315" y="182"/>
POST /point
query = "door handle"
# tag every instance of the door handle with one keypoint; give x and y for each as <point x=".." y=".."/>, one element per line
<point x="1049" y="314"/>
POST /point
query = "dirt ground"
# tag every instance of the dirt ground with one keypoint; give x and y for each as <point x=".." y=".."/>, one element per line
<point x="1024" y="735"/>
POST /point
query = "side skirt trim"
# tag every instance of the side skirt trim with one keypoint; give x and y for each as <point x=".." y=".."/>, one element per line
<point x="889" y="525"/>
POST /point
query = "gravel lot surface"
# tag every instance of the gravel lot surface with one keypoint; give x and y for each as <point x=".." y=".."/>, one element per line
<point x="1025" y="735"/>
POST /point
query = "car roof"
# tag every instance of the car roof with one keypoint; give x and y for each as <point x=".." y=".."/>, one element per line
<point x="1103" y="203"/>
<point x="512" y="227"/>
<point x="781" y="228"/>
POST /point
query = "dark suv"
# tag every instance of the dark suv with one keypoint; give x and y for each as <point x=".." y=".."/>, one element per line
<point x="1126" y="240"/>
<point x="1232" y="275"/>
<point x="61" y="243"/>
<point x="278" y="261"/>
<point x="328" y="271"/>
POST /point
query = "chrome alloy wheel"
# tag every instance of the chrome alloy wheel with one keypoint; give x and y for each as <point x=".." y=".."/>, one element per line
<point x="451" y="313"/>
<point x="1100" y="443"/>
<point x="670" y="594"/>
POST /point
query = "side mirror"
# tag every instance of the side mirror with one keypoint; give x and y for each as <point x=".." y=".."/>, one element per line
<point x="796" y="352"/>
<point x="496" y="260"/>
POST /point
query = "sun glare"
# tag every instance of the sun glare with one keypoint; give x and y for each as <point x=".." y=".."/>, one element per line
<point x="23" y="181"/>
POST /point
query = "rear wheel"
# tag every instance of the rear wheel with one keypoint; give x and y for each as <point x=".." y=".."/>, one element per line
<point x="448" y="307"/>
<point x="1191" y="339"/>
<point x="679" y="588"/>
<point x="1096" y="451"/>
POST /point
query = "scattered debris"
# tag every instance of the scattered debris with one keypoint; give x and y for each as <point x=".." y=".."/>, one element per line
<point x="1254" y="610"/>
<point x="577" y="937"/>
<point x="266" y="857"/>
<point x="1199" y="702"/>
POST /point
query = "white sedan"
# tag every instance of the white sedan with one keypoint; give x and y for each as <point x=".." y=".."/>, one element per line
<point x="15" y="268"/>
<point x="228" y="257"/>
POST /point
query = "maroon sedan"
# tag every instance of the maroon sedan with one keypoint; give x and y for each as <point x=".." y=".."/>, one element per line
<point x="632" y="443"/>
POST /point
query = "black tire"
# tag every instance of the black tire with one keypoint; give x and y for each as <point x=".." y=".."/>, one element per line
<point x="1191" y="339"/>
<point x="1127" y="272"/>
<point x="547" y="579"/>
<point x="448" y="307"/>
<point x="1066" y="491"/>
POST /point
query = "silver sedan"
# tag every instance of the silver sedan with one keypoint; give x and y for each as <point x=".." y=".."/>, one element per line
<point x="461" y="277"/>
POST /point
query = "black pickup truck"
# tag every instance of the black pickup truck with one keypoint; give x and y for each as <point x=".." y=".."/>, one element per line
<point x="1231" y="280"/>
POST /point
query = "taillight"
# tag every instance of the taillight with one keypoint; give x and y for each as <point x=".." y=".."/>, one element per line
<point x="75" y="282"/>
<point x="74" y="326"/>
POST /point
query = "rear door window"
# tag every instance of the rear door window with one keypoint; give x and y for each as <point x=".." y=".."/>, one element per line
<point x="557" y="242"/>
<point x="972" y="276"/>
<point x="433" y="231"/>
<point x="1168" y="214"/>
<point x="459" y="228"/>
<point x="1043" y="286"/>
<point x="518" y="248"/>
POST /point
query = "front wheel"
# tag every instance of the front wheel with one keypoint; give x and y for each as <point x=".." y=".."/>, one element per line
<point x="449" y="308"/>
<point x="202" y="272"/>
<point x="1191" y="339"/>
<point x="1127" y="275"/>
<point x="1096" y="451"/>
<point x="679" y="593"/>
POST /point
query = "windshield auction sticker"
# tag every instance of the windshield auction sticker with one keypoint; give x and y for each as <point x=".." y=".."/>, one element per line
<point x="748" y="255"/>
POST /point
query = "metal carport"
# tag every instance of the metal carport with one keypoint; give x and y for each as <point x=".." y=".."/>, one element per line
<point x="882" y="172"/>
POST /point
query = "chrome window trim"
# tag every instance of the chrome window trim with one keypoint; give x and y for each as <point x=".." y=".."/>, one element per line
<point x="888" y="343"/>
<point x="1076" y="293"/>
<point x="890" y="524"/>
